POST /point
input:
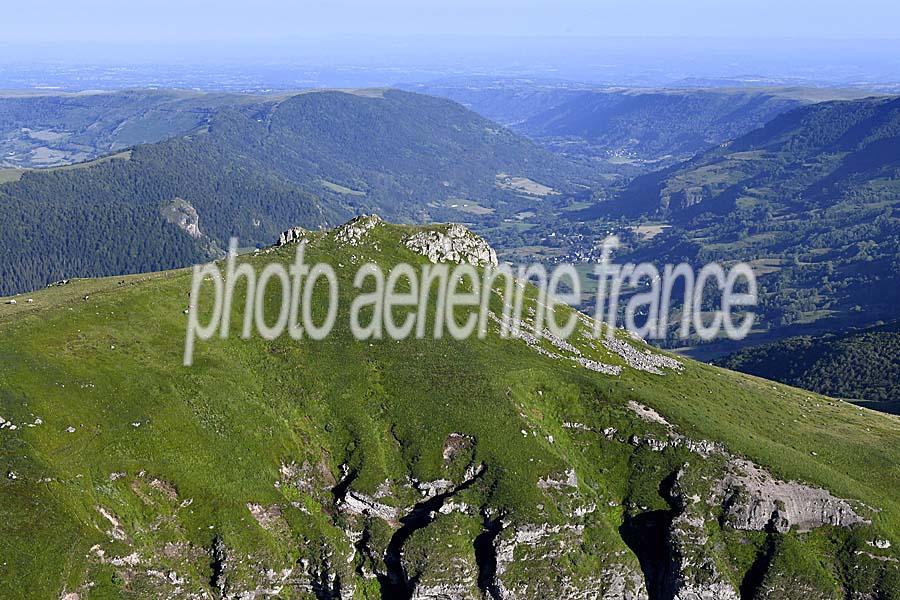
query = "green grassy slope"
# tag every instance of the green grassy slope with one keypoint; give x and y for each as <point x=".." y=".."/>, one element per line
<point x="174" y="454"/>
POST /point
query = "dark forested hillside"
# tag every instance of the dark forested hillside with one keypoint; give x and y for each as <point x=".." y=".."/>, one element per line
<point x="403" y="154"/>
<point x="811" y="201"/>
<point x="311" y="160"/>
<point x="861" y="364"/>
<point x="808" y="158"/>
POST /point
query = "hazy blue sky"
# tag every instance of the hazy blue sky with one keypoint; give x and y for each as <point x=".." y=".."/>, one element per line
<point x="169" y="21"/>
<point x="306" y="43"/>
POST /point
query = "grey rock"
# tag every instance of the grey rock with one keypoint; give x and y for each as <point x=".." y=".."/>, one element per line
<point x="290" y="236"/>
<point x="647" y="361"/>
<point x="182" y="214"/>
<point x="360" y="504"/>
<point x="353" y="232"/>
<point x="454" y="244"/>
<point x="755" y="500"/>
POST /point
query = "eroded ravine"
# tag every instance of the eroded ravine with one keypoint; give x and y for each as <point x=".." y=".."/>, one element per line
<point x="486" y="558"/>
<point x="395" y="582"/>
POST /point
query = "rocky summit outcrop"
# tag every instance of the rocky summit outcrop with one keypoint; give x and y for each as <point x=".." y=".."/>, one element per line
<point x="351" y="233"/>
<point x="452" y="244"/>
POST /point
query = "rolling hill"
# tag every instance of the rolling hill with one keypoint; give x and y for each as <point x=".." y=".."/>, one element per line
<point x="251" y="171"/>
<point x="483" y="468"/>
<point x="653" y="125"/>
<point x="53" y="129"/>
<point x="860" y="365"/>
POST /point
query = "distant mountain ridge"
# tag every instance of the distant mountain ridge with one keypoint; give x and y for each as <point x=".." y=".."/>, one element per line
<point x="311" y="159"/>
<point x="811" y="200"/>
<point x="53" y="129"/>
<point x="655" y="124"/>
<point x="637" y="123"/>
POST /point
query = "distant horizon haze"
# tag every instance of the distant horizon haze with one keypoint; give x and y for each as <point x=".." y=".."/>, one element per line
<point x="282" y="44"/>
<point x="235" y="21"/>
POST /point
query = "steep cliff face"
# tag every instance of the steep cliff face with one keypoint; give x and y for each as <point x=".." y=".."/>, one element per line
<point x="431" y="539"/>
<point x="494" y="468"/>
<point x="753" y="499"/>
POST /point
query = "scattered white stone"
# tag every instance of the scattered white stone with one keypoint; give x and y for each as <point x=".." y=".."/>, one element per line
<point x="575" y="425"/>
<point x="599" y="367"/>
<point x="647" y="361"/>
<point x="70" y="429"/>
<point x="117" y="532"/>
<point x="354" y="231"/>
<point x="569" y="479"/>
<point x="132" y="560"/>
<point x="647" y="414"/>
